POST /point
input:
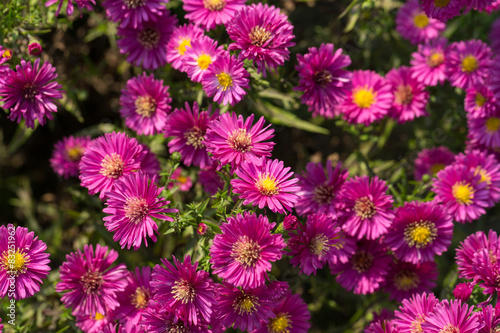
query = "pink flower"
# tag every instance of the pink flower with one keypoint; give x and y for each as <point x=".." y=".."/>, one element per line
<point x="428" y="63"/>
<point x="180" y="41"/>
<point x="209" y="13"/>
<point x="413" y="24"/>
<point x="198" y="58"/>
<point x="67" y="155"/>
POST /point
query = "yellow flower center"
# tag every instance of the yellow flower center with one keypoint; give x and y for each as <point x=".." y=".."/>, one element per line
<point x="365" y="208"/>
<point x="267" y="185"/>
<point x="469" y="64"/>
<point x="140" y="298"/>
<point x="246" y="303"/>
<point x="441" y="3"/>
<point x="259" y="35"/>
<point x="136" y="209"/>
<point x="75" y="153"/>
<point x="492" y="124"/>
<point x="183" y="291"/>
<point x="225" y="81"/>
<point x="421" y="20"/>
<point x="246" y="251"/>
<point x="450" y="329"/>
<point x="214" y="5"/>
<point x="279" y="324"/>
<point x="185" y="42"/>
<point x="318" y="245"/>
<point x="145" y="106"/>
<point x="204" y="61"/>
<point x="364" y="97"/>
<point x="7" y="54"/>
<point x="480" y="100"/>
<point x="463" y="193"/>
<point x="435" y="168"/>
<point x="99" y="316"/>
<point x="240" y="140"/>
<point x="436" y="59"/>
<point x="406" y="280"/>
<point x="485" y="177"/>
<point x="420" y="234"/>
<point x="17" y="263"/>
<point x="112" y="166"/>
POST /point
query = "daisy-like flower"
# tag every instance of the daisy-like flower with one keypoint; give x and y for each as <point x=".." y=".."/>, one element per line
<point x="366" y="270"/>
<point x="486" y="131"/>
<point x="5" y="55"/>
<point x="209" y="13"/>
<point x="225" y="80"/>
<point x="468" y="63"/>
<point x="180" y="41"/>
<point x="263" y="35"/>
<point x="243" y="253"/>
<point x="451" y="316"/>
<point x="133" y="13"/>
<point x="494" y="37"/>
<point x="486" y="265"/>
<point x="266" y="184"/>
<point x="431" y="161"/>
<point x="369" y="100"/>
<point x="413" y="24"/>
<point x="146" y="44"/>
<point x="107" y="159"/>
<point x="179" y="179"/>
<point x="319" y="189"/>
<point x="368" y="209"/>
<point x="322" y="79"/>
<point x="488" y="318"/>
<point x="463" y="291"/>
<point x="67" y="154"/>
<point x="184" y="289"/>
<point x="145" y="104"/>
<point x="428" y="63"/>
<point x="30" y="92"/>
<point x="480" y="102"/>
<point x="82" y="4"/>
<point x="414" y="311"/>
<point x="442" y="10"/>
<point x="188" y="127"/>
<point x="91" y="284"/>
<point x="419" y="231"/>
<point x="23" y="262"/>
<point x="160" y="319"/>
<point x="317" y="243"/>
<point x="468" y="249"/>
<point x="93" y="324"/>
<point x="132" y="204"/>
<point x="405" y="279"/>
<point x="202" y="53"/>
<point x="462" y="194"/>
<point x="233" y="139"/>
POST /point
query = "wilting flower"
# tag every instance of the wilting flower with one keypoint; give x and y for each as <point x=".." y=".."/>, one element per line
<point x="209" y="13"/>
<point x="451" y="316"/>
<point x="413" y="24"/>
<point x="428" y="63"/>
<point x="414" y="311"/>
<point x="405" y="279"/>
<point x="67" y="154"/>
<point x="431" y="161"/>
<point x="132" y="13"/>
<point x="180" y="41"/>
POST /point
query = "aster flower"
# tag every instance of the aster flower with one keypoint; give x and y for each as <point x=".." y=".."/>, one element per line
<point x="463" y="291"/>
<point x="35" y="49"/>
<point x="132" y="13"/>
<point x="468" y="249"/>
<point x="419" y="231"/>
<point x="233" y="139"/>
<point x="243" y="253"/>
<point x="267" y="183"/>
<point x="5" y="55"/>
<point x="494" y="37"/>
<point x="145" y="104"/>
<point x="451" y="316"/>
<point x="225" y="79"/>
<point x="480" y="101"/>
<point x="368" y="209"/>
<point x="486" y="131"/>
<point x="93" y="324"/>
<point x="410" y="97"/>
<point x="486" y="266"/>
<point x="414" y="311"/>
<point x="210" y="180"/>
<point x="82" y="4"/>
<point x="202" y="53"/>
<point x="431" y="161"/>
<point x="132" y="204"/>
<point x="428" y="63"/>
<point x="263" y="35"/>
<point x="442" y="10"/>
<point x="160" y="319"/>
<point x="291" y="222"/>
<point x="27" y="266"/>
<point x="468" y="63"/>
<point x="30" y="92"/>
<point x="146" y="45"/>
<point x="91" y="284"/>
<point x="322" y="79"/>
<point x="107" y="159"/>
<point x="405" y="279"/>
<point x="209" y="13"/>
<point x="67" y="154"/>
<point x="488" y="318"/>
<point x="180" y="41"/>
<point x="182" y="181"/>
<point x="413" y="24"/>
<point x="462" y="194"/>
<point x="382" y="326"/>
<point x="369" y="100"/>
<point x="278" y="290"/>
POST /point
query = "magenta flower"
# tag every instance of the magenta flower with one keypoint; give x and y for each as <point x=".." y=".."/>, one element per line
<point x="486" y="266"/>
<point x="93" y="324"/>
<point x="180" y="41"/>
<point x="263" y="35"/>
<point x="202" y="53"/>
<point x="428" y="63"/>
<point x="132" y="204"/>
<point x="414" y="311"/>
<point x="480" y="102"/>
<point x="91" y="284"/>
<point x="30" y="92"/>
<point x="488" y="318"/>
<point x="468" y="248"/>
<point x="369" y="100"/>
<point x="431" y="161"/>
<point x="82" y="4"/>
<point x="209" y="13"/>
<point x="107" y="159"/>
<point x="494" y="37"/>
<point x="405" y="279"/>
<point x="145" y="104"/>
<point x="266" y="184"/>
<point x="243" y="253"/>
<point x="451" y="316"/>
<point x="382" y="326"/>
<point x="23" y="262"/>
<point x="35" y="49"/>
<point x="413" y="24"/>
<point x="225" y="79"/>
<point x="67" y="154"/>
<point x="179" y="179"/>
<point x="486" y="131"/>
<point x="146" y="45"/>
<point x="494" y="83"/>
<point x="322" y="79"/>
<point x="368" y="209"/>
<point x="442" y="10"/>
<point x="463" y="291"/>
<point x="133" y="13"/>
<point x="160" y="319"/>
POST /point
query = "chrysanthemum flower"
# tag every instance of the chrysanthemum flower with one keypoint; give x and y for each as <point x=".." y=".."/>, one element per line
<point x="67" y="154"/>
<point x="278" y="290"/>
<point x="180" y="41"/>
<point x="486" y="131"/>
<point x="82" y="4"/>
<point x="468" y="249"/>
<point x="480" y="101"/>
<point x="267" y="183"/>
<point x="93" y="286"/>
<point x="243" y="253"/>
<point x="202" y="53"/>
<point x="319" y="189"/>
<point x="263" y="34"/>
<point x="180" y="179"/>
<point x="107" y="159"/>
<point x="460" y="191"/>
<point x="369" y="100"/>
<point x="486" y="266"/>
<point x="146" y="45"/>
<point x="188" y="127"/>
<point x="184" y="290"/>
<point x="233" y="139"/>
<point x="463" y="291"/>
<point x="209" y="13"/>
<point x="35" y="49"/>
<point x="132" y="204"/>
<point x="495" y="37"/>
<point x="132" y="13"/>
<point x="145" y="104"/>
<point x="442" y="10"/>
<point x="30" y="92"/>
<point x="414" y="25"/>
<point x="414" y="311"/>
<point x="225" y="79"/>
<point x="488" y="318"/>
<point x="405" y="279"/>
<point x="21" y="271"/>
<point x="161" y="319"/>
<point x="451" y="316"/>
<point x="322" y="79"/>
<point x="468" y="63"/>
<point x="431" y="161"/>
<point x="210" y="180"/>
<point x="368" y="209"/>
<point x="428" y="63"/>
<point x="419" y="231"/>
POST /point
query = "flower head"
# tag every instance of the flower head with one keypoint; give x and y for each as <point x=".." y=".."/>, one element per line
<point x="405" y="279"/>
<point x="485" y="131"/>
<point x="209" y="13"/>
<point x="414" y="311"/>
<point x="428" y="63"/>
<point x="431" y="161"/>
<point x="158" y="318"/>
<point x="132" y="13"/>
<point x="480" y="102"/>
<point x="413" y="24"/>
<point x="200" y="56"/>
<point x="180" y="41"/>
<point x="180" y="179"/>
<point x="468" y="248"/>
<point x="442" y="10"/>
<point x="67" y="155"/>
<point x="35" y="49"/>
<point x="463" y="291"/>
<point x="451" y="316"/>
